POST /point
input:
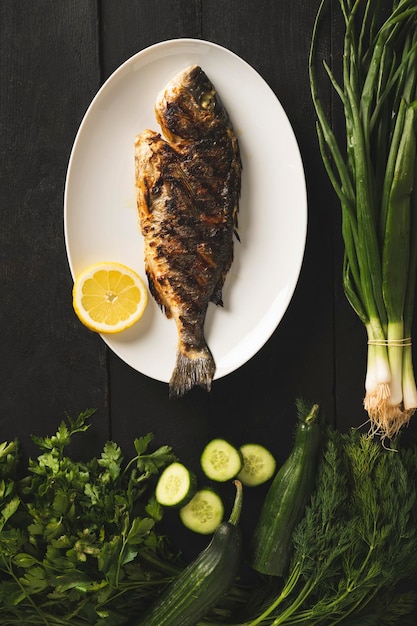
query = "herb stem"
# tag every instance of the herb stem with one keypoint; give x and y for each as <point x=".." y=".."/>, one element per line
<point x="10" y="571"/>
<point x="299" y="600"/>
<point x="287" y="589"/>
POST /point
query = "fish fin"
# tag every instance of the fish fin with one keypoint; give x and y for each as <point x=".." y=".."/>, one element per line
<point x="191" y="369"/>
<point x="156" y="294"/>
<point x="217" y="297"/>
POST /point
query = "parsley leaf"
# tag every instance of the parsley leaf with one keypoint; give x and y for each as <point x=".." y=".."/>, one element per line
<point x="78" y="540"/>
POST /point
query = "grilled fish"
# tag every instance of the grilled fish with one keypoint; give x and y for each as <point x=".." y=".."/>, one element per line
<point x="188" y="187"/>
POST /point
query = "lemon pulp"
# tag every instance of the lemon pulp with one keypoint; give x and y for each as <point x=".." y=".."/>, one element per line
<point x="109" y="297"/>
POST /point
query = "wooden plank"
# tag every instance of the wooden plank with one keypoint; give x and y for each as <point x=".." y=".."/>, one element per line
<point x="130" y="26"/>
<point x="50" y="68"/>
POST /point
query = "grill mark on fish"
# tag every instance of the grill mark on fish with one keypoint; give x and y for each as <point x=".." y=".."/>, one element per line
<point x="188" y="186"/>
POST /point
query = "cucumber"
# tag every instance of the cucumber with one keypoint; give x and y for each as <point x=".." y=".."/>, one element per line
<point x="199" y="587"/>
<point x="204" y="513"/>
<point x="176" y="485"/>
<point x="258" y="465"/>
<point x="221" y="461"/>
<point x="289" y="493"/>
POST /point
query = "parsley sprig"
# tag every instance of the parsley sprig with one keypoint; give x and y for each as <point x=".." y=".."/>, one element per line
<point x="78" y="541"/>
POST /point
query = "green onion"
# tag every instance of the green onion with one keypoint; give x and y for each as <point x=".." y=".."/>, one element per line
<point x="374" y="176"/>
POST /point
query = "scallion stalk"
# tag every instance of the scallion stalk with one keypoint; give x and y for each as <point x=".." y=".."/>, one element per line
<point x="374" y="175"/>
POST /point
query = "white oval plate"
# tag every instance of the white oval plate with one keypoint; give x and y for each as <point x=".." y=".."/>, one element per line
<point x="101" y="222"/>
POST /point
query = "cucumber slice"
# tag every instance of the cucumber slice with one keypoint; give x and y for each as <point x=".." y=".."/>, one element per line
<point x="221" y="461"/>
<point x="258" y="465"/>
<point x="176" y="485"/>
<point x="204" y="512"/>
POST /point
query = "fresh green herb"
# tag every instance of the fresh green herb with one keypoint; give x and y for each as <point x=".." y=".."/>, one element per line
<point x="373" y="176"/>
<point x="356" y="542"/>
<point x="362" y="522"/>
<point x="78" y="542"/>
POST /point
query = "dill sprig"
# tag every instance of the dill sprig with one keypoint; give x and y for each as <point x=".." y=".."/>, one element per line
<point x="359" y="536"/>
<point x="356" y="542"/>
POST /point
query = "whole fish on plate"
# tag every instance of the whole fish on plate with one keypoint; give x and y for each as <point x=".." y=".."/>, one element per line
<point x="188" y="187"/>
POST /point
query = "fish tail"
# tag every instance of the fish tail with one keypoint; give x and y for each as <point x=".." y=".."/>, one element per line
<point x="196" y="367"/>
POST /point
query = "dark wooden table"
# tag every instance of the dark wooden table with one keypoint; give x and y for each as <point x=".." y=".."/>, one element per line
<point x="54" y="56"/>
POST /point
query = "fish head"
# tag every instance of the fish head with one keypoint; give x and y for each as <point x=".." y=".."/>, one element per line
<point x="189" y="107"/>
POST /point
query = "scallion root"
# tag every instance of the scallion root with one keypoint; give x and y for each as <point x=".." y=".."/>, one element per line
<point x="385" y="419"/>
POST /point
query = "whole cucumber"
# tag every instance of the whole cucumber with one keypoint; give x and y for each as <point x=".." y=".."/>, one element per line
<point x="286" y="499"/>
<point x="200" y="585"/>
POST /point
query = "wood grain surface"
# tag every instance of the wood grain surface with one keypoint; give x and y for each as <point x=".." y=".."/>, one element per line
<point x="54" y="56"/>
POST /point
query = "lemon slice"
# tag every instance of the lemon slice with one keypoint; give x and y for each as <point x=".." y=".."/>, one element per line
<point x="109" y="297"/>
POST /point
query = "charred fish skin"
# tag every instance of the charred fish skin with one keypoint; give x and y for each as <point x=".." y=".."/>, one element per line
<point x="188" y="188"/>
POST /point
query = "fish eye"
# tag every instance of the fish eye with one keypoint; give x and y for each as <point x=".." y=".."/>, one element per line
<point x="207" y="100"/>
